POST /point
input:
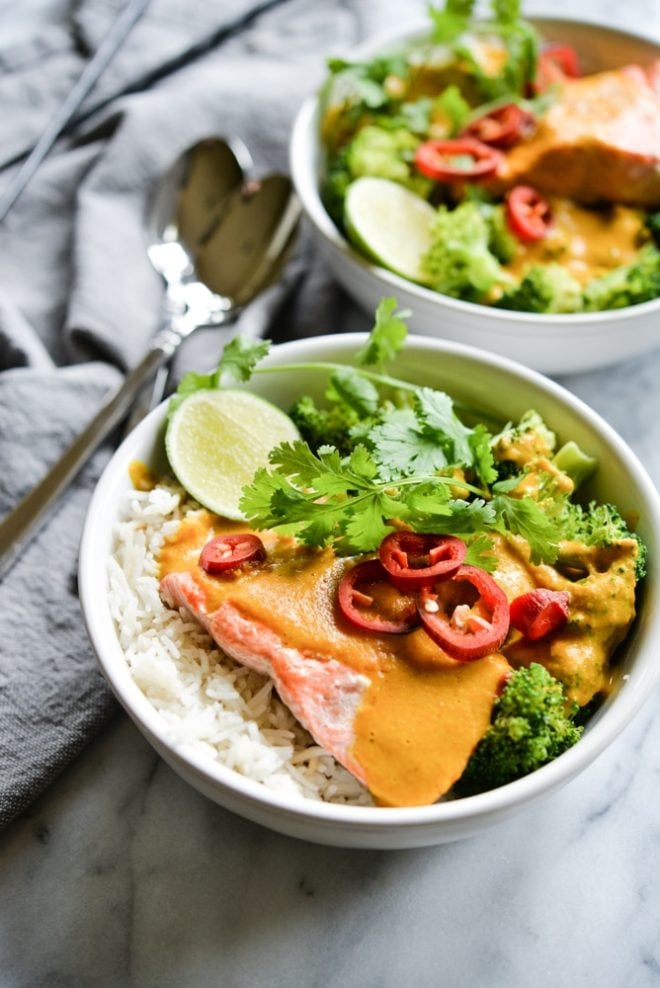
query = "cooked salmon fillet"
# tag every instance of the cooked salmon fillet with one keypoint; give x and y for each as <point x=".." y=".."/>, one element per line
<point x="398" y="713"/>
<point x="598" y="142"/>
<point x="323" y="695"/>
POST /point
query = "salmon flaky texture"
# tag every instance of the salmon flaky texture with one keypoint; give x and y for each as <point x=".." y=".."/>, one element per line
<point x="599" y="142"/>
<point x="323" y="694"/>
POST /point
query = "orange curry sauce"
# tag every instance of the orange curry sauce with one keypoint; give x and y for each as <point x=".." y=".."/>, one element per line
<point x="423" y="713"/>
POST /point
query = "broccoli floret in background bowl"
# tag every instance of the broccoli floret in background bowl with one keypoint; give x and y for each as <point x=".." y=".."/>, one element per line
<point x="461" y="261"/>
<point x="383" y="153"/>
<point x="627" y="285"/>
<point x="546" y="288"/>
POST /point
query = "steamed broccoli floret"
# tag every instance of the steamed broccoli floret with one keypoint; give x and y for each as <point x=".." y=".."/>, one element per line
<point x="628" y="285"/>
<point x="325" y="427"/>
<point x="386" y="153"/>
<point x="602" y="525"/>
<point x="524" y="442"/>
<point x="546" y="288"/>
<point x="380" y="152"/>
<point x="652" y="222"/>
<point x="335" y="185"/>
<point x="532" y="724"/>
<point x="460" y="261"/>
<point x="502" y="242"/>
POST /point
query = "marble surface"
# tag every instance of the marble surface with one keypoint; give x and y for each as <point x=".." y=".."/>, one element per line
<point x="122" y="875"/>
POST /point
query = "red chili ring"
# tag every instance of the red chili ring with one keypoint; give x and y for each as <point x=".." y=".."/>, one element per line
<point x="467" y="646"/>
<point x="555" y="64"/>
<point x="501" y="127"/>
<point x="401" y="554"/>
<point x="349" y="596"/>
<point x="434" y="159"/>
<point x="229" y="551"/>
<point x="529" y="215"/>
<point x="540" y="612"/>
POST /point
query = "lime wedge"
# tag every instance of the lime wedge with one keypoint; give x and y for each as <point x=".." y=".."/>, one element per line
<point x="389" y="223"/>
<point x="216" y="440"/>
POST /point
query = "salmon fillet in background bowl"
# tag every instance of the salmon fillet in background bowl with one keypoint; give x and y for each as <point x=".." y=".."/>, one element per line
<point x="486" y="382"/>
<point x="600" y="142"/>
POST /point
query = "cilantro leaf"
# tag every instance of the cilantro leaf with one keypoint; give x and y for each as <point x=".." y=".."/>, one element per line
<point x="270" y="498"/>
<point x="436" y="411"/>
<point x="237" y="362"/>
<point x="366" y="529"/>
<point x="463" y="518"/>
<point x="482" y="455"/>
<point x="506" y="11"/>
<point x="348" y="387"/>
<point x="401" y="448"/>
<point x="451" y="21"/>
<point x="193" y="381"/>
<point x="387" y="336"/>
<point x="480" y="553"/>
<point x="239" y="358"/>
<point x="523" y="516"/>
<point x="454" y="106"/>
<point x="324" y="499"/>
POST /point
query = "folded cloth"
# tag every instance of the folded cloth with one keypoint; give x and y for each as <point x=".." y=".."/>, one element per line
<point x="79" y="299"/>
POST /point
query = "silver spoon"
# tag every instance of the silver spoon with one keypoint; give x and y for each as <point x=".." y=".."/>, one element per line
<point x="249" y="241"/>
<point x="188" y="202"/>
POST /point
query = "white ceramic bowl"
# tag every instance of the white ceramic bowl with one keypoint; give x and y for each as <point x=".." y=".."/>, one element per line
<point x="561" y="344"/>
<point x="486" y="381"/>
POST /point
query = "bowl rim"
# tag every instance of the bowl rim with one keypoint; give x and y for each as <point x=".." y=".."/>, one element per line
<point x="468" y="810"/>
<point x="303" y="145"/>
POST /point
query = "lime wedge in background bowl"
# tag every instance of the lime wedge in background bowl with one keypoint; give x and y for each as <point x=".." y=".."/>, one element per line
<point x="389" y="223"/>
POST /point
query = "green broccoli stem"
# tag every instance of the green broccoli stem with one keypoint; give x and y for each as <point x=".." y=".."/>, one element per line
<point x="572" y="460"/>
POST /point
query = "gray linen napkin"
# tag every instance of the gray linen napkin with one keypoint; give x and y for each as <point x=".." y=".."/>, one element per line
<point x="79" y="300"/>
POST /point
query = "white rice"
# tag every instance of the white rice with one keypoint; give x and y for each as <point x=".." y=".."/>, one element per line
<point x="209" y="704"/>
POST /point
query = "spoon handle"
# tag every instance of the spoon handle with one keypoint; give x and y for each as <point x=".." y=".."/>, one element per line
<point x="151" y="394"/>
<point x="23" y="522"/>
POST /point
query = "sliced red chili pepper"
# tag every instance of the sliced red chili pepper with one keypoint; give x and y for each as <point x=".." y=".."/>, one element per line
<point x="529" y="215"/>
<point x="501" y="127"/>
<point x="556" y="63"/>
<point x="540" y="612"/>
<point x="369" y="601"/>
<point x="466" y="624"/>
<point x="229" y="551"/>
<point x="414" y="560"/>
<point x="460" y="158"/>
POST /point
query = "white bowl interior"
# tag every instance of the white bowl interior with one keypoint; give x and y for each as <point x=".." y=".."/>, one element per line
<point x="553" y="344"/>
<point x="485" y="382"/>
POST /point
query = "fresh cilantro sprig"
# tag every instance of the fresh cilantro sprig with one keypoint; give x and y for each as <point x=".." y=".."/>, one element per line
<point x="452" y="20"/>
<point x="237" y="364"/>
<point x="387" y="335"/>
<point x="327" y="499"/>
<point x="411" y="460"/>
<point x="451" y="24"/>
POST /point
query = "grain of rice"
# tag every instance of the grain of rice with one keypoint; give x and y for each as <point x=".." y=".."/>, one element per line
<point x="221" y="711"/>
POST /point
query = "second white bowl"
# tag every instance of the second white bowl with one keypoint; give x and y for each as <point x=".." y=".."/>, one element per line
<point x="561" y="344"/>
